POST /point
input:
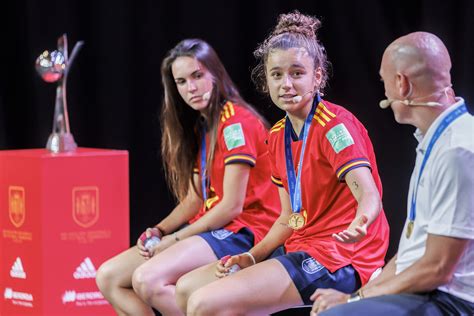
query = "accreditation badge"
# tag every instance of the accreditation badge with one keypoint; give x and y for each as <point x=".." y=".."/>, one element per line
<point x="297" y="221"/>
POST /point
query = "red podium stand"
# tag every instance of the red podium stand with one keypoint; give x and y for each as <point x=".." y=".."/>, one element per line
<point x="61" y="216"/>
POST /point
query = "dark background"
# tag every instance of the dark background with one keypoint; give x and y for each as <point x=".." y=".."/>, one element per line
<point x="114" y="88"/>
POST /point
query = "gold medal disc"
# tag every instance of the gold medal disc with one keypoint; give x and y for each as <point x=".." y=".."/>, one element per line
<point x="296" y="221"/>
<point x="410" y="228"/>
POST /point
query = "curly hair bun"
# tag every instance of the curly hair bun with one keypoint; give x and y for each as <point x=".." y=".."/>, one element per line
<point x="296" y="22"/>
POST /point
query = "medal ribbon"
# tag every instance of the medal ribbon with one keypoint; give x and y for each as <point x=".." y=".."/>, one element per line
<point x="460" y="110"/>
<point x="294" y="181"/>
<point x="203" y="164"/>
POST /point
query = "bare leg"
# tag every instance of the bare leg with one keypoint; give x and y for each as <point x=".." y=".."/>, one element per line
<point x="258" y="290"/>
<point x="192" y="281"/>
<point x="155" y="280"/>
<point x="114" y="279"/>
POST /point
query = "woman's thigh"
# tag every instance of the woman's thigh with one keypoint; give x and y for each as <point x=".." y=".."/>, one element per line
<point x="260" y="289"/>
<point x="169" y="265"/>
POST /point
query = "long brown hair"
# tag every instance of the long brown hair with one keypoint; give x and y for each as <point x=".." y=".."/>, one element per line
<point x="181" y="125"/>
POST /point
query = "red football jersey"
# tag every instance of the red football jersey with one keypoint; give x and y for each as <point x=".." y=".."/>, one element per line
<point x="337" y="143"/>
<point x="241" y="139"/>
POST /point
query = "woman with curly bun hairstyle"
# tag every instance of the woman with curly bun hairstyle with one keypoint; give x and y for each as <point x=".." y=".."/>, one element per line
<point x="332" y="224"/>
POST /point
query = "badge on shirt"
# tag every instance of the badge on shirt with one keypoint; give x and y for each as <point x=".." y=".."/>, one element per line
<point x="339" y="137"/>
<point x="234" y="136"/>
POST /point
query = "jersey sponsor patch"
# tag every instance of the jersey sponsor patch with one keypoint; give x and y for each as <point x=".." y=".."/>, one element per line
<point x="311" y="265"/>
<point x="234" y="136"/>
<point x="339" y="137"/>
<point x="221" y="233"/>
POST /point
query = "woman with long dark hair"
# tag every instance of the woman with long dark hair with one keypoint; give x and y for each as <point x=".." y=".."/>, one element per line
<point x="216" y="163"/>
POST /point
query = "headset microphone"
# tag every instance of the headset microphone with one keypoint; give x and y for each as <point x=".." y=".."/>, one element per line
<point x="206" y="96"/>
<point x="298" y="98"/>
<point x="386" y="103"/>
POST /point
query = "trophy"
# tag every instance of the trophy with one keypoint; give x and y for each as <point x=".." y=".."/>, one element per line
<point x="54" y="67"/>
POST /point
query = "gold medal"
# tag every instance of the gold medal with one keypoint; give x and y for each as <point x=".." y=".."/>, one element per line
<point x="296" y="221"/>
<point x="410" y="228"/>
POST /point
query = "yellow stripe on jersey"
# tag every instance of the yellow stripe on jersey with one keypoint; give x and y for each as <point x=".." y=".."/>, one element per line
<point x="239" y="158"/>
<point x="277" y="181"/>
<point x="321" y="113"/>
<point x="210" y="201"/>
<point x="277" y="129"/>
<point x="231" y="108"/>
<point x="321" y="105"/>
<point x="319" y="120"/>
<point x="227" y="111"/>
<point x="278" y="126"/>
<point x="350" y="165"/>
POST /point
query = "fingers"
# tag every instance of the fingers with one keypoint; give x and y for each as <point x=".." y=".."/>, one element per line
<point x="347" y="236"/>
<point x="144" y="254"/>
<point x="220" y="271"/>
<point x="149" y="232"/>
<point x="225" y="259"/>
<point x="314" y="296"/>
<point x="232" y="260"/>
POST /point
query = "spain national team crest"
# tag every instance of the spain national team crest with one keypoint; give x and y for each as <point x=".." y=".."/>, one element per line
<point x="85" y="205"/>
<point x="16" y="205"/>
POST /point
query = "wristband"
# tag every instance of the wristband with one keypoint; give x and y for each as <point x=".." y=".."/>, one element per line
<point x="251" y="257"/>
<point x="356" y="296"/>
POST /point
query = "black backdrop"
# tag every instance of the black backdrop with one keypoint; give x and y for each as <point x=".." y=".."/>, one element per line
<point x="114" y="88"/>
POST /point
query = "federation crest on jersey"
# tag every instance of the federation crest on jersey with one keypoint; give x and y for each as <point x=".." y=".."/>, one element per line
<point x="311" y="265"/>
<point x="221" y="233"/>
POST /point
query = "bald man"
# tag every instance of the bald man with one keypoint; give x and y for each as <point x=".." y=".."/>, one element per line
<point x="433" y="271"/>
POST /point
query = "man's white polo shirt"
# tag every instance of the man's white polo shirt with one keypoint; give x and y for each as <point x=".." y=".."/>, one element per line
<point x="445" y="199"/>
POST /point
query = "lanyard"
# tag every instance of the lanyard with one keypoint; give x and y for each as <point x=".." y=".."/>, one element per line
<point x="294" y="182"/>
<point x="203" y="164"/>
<point x="460" y="110"/>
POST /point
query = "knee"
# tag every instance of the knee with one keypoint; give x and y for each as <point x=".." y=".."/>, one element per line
<point x="105" y="277"/>
<point x="145" y="284"/>
<point x="182" y="292"/>
<point x="200" y="303"/>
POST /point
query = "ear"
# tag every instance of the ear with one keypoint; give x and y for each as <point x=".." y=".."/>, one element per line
<point x="403" y="85"/>
<point x="318" y="78"/>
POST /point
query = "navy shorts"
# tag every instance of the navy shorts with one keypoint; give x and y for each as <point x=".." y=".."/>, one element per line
<point x="435" y="303"/>
<point x="308" y="274"/>
<point x="224" y="242"/>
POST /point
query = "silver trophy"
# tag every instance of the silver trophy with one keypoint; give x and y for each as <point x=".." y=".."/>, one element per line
<point x="54" y="67"/>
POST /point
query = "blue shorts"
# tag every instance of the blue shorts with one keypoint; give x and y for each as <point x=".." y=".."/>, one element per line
<point x="308" y="274"/>
<point x="224" y="242"/>
<point x="435" y="303"/>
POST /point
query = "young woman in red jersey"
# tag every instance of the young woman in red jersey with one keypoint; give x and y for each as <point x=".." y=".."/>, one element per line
<point x="217" y="164"/>
<point x="332" y="225"/>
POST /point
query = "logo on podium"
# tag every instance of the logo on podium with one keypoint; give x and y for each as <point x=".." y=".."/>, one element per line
<point x="16" y="205"/>
<point x="85" y="205"/>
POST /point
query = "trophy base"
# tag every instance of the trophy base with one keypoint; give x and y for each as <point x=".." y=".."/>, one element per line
<point x="60" y="143"/>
